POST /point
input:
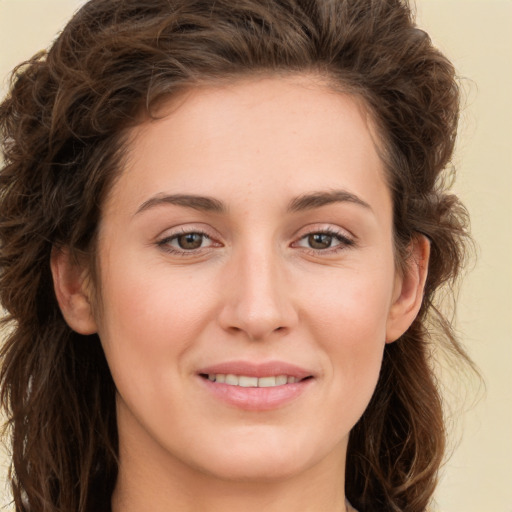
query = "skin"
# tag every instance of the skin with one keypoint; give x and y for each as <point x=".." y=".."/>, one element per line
<point x="254" y="290"/>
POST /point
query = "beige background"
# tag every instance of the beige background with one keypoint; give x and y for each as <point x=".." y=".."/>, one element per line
<point x="477" y="36"/>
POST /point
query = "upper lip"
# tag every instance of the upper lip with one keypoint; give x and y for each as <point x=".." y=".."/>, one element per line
<point x="252" y="369"/>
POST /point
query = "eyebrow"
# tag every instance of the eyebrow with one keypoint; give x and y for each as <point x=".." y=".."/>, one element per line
<point x="209" y="204"/>
<point x="201" y="203"/>
<point x="318" y="199"/>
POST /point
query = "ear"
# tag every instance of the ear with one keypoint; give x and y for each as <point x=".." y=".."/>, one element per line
<point x="408" y="291"/>
<point x="70" y="281"/>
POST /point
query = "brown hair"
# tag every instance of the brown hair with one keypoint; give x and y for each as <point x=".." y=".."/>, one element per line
<point x="62" y="129"/>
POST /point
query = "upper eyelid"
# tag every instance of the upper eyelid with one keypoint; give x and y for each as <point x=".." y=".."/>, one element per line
<point x="325" y="228"/>
<point x="175" y="231"/>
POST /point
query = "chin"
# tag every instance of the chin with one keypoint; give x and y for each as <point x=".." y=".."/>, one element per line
<point x="262" y="459"/>
<point x="256" y="470"/>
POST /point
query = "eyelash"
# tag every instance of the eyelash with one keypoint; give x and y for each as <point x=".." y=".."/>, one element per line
<point x="344" y="242"/>
<point x="165" y="242"/>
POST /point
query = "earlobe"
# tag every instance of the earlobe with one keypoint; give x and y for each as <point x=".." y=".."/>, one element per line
<point x="72" y="292"/>
<point x="409" y="288"/>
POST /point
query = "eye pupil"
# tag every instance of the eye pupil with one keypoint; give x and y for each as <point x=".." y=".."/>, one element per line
<point x="190" y="241"/>
<point x="319" y="241"/>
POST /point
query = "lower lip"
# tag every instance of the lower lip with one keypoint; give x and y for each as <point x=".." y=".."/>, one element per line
<point x="257" y="399"/>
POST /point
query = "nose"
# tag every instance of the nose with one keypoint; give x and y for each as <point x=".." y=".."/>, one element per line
<point x="258" y="300"/>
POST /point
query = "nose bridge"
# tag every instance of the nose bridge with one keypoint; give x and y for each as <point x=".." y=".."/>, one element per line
<point x="257" y="299"/>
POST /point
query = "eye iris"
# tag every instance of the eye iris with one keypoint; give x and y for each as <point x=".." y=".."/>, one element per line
<point x="190" y="241"/>
<point x="320" y="241"/>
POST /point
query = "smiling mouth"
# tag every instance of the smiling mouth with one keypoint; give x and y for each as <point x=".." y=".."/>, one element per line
<point x="246" y="381"/>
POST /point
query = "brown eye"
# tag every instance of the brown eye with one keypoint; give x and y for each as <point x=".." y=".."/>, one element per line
<point x="190" y="241"/>
<point x="182" y="243"/>
<point x="327" y="242"/>
<point x="319" y="241"/>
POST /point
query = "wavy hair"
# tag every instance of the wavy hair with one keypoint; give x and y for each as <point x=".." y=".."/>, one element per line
<point x="62" y="129"/>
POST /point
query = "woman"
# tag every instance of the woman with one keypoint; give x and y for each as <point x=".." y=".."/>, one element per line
<point x="223" y="225"/>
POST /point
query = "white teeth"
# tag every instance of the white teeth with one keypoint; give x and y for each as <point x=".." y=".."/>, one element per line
<point x="247" y="382"/>
<point x="266" y="382"/>
<point x="231" y="379"/>
<point x="252" y="382"/>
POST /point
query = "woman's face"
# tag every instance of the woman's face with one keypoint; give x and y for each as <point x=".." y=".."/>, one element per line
<point x="247" y="280"/>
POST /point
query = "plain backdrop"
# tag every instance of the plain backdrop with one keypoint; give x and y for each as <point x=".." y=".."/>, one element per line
<point x="477" y="36"/>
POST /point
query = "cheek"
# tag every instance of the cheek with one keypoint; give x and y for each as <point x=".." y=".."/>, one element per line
<point x="353" y="307"/>
<point x="350" y="326"/>
<point x="142" y="296"/>
<point x="152" y="321"/>
<point x="148" y="329"/>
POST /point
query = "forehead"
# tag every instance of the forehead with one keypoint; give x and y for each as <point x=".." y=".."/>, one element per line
<point x="272" y="135"/>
